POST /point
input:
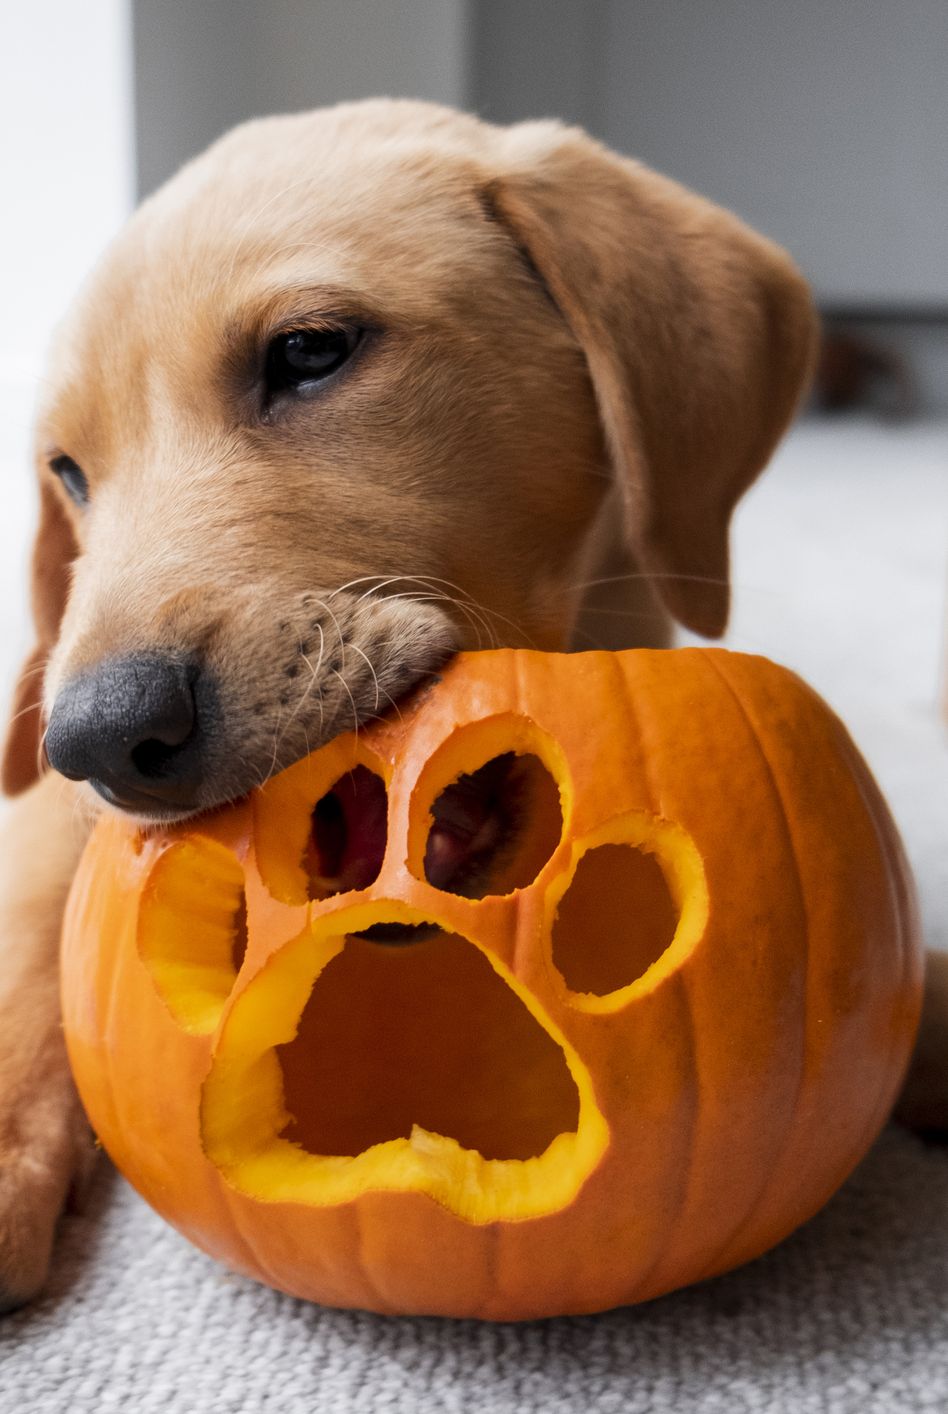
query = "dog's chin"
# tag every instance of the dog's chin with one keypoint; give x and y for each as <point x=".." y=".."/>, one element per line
<point x="150" y="812"/>
<point x="141" y="808"/>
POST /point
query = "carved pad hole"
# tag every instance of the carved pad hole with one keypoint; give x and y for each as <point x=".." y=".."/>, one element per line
<point x="428" y="1035"/>
<point x="616" y="918"/>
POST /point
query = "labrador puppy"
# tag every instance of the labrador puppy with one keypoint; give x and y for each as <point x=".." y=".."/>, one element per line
<point x="356" y="389"/>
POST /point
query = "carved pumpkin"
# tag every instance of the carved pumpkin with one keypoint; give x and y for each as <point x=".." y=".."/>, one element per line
<point x="581" y="978"/>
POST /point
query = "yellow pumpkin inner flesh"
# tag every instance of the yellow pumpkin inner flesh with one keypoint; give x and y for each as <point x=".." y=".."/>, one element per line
<point x="191" y="930"/>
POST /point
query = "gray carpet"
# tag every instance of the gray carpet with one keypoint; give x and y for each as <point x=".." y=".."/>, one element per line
<point x="839" y="572"/>
<point x="850" y="1316"/>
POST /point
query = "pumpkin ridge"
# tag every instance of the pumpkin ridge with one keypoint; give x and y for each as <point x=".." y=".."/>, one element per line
<point x="131" y="953"/>
<point x="111" y="1011"/>
<point x="491" y="1257"/>
<point x="901" y="883"/>
<point x="255" y="1248"/>
<point x="684" y="1000"/>
<point x="718" y="1261"/>
<point x="859" y="774"/>
<point x="381" y="1301"/>
<point x="904" y="910"/>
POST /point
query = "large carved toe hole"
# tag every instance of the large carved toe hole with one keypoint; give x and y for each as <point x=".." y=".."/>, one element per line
<point x="192" y="930"/>
<point x="430" y="1036"/>
<point x="615" y="920"/>
<point x="347" y="837"/>
<point x="493" y="829"/>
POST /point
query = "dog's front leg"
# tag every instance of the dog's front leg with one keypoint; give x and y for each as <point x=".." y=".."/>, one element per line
<point x="46" y="1149"/>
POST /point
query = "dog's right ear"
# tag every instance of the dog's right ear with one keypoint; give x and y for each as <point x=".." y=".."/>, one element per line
<point x="53" y="554"/>
<point x="698" y="336"/>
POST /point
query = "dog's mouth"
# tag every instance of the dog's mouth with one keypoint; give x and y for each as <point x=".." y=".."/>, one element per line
<point x="479" y="823"/>
<point x="475" y="822"/>
<point x="141" y="803"/>
<point x="483" y="827"/>
<point x="482" y="824"/>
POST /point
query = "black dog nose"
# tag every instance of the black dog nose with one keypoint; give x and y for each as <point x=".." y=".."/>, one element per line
<point x="130" y="728"/>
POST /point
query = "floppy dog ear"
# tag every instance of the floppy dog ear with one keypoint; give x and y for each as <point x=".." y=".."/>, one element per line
<point x="698" y="333"/>
<point x="53" y="554"/>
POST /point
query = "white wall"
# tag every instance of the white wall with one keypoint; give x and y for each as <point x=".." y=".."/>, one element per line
<point x="535" y="59"/>
<point x="821" y="123"/>
<point x="201" y="67"/>
<point x="309" y="53"/>
<point x="67" y="162"/>
<point x="65" y="117"/>
<point x="193" y="62"/>
<point x="825" y="124"/>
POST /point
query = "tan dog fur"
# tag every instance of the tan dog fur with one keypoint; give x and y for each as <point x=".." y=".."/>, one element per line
<point x="573" y="370"/>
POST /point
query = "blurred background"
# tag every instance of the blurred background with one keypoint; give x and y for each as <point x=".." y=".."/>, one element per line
<point x="823" y="125"/>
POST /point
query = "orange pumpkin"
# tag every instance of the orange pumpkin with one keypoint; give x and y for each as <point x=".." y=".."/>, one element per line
<point x="579" y="979"/>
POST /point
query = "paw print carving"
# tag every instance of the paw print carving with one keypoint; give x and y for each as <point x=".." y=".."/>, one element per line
<point x="580" y="979"/>
<point x="399" y="970"/>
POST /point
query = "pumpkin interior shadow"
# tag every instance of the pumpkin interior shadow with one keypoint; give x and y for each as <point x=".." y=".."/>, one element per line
<point x="625" y="890"/>
<point x="348" y="834"/>
<point x="430" y="1035"/>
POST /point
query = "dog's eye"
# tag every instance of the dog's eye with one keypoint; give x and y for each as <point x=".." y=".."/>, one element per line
<point x="303" y="357"/>
<point x="72" y="477"/>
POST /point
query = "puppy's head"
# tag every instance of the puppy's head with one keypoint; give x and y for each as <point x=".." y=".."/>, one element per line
<point x="349" y="393"/>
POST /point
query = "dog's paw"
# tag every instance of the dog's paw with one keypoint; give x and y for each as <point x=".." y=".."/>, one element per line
<point x="46" y="1160"/>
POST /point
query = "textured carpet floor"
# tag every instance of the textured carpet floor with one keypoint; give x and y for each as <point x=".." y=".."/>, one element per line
<point x="850" y="1316"/>
<point x="839" y="570"/>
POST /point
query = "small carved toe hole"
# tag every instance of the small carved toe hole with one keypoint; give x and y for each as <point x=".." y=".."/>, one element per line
<point x="192" y="929"/>
<point x="348" y="833"/>
<point x="494" y="828"/>
<point x="616" y="918"/>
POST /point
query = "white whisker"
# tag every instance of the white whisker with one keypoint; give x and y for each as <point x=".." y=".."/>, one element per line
<point x="355" y="713"/>
<point x="24" y="712"/>
<point x="463" y="601"/>
<point x="375" y="676"/>
<point x="641" y="575"/>
<point x="253" y="223"/>
<point x="473" y="618"/>
<point x="342" y="642"/>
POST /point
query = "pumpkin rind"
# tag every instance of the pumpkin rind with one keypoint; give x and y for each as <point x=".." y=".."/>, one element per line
<point x="723" y="1095"/>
